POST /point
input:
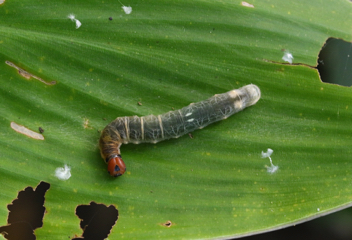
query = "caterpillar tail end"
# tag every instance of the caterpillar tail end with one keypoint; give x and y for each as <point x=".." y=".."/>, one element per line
<point x="253" y="94"/>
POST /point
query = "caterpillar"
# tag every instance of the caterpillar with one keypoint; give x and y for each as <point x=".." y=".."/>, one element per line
<point x="173" y="124"/>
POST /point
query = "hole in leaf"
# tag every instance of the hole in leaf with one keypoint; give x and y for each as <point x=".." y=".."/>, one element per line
<point x="96" y="220"/>
<point x="167" y="223"/>
<point x="335" y="62"/>
<point x="26" y="213"/>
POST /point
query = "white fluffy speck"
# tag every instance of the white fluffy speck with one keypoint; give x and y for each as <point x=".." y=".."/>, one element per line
<point x="270" y="169"/>
<point x="268" y="153"/>
<point x="288" y="57"/>
<point x="73" y="19"/>
<point x="78" y="23"/>
<point x="71" y="16"/>
<point x="63" y="173"/>
<point x="127" y="10"/>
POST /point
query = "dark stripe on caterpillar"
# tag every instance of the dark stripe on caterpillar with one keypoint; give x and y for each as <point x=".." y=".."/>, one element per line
<point x="173" y="124"/>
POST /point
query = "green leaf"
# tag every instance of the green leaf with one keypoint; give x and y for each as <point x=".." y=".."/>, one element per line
<point x="165" y="55"/>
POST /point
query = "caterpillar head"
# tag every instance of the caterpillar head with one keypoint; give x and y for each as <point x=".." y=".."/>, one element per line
<point x="116" y="166"/>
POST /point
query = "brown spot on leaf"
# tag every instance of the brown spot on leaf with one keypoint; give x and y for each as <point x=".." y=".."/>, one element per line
<point x="28" y="75"/>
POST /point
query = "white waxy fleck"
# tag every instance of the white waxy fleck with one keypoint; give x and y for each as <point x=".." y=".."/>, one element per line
<point x="188" y="114"/>
<point x="23" y="130"/>
<point x="63" y="173"/>
<point x="270" y="169"/>
<point x="190" y="120"/>
<point x="288" y="57"/>
<point x="78" y="23"/>
<point x="73" y="19"/>
<point x="267" y="153"/>
<point x="127" y="10"/>
<point x="71" y="16"/>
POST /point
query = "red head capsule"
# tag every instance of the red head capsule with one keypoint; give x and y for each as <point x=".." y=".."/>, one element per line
<point x="116" y="166"/>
